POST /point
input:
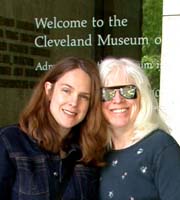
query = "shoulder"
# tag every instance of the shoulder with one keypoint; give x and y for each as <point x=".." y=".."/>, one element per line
<point x="9" y="131"/>
<point x="10" y="128"/>
<point x="14" y="139"/>
<point x="161" y="138"/>
<point x="160" y="143"/>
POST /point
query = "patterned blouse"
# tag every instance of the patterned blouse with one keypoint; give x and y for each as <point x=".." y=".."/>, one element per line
<point x="147" y="170"/>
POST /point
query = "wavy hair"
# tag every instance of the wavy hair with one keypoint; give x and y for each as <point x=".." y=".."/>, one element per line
<point x="37" y="121"/>
<point x="149" y="117"/>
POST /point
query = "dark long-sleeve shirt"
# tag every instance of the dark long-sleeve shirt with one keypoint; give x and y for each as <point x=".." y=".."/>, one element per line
<point x="147" y="170"/>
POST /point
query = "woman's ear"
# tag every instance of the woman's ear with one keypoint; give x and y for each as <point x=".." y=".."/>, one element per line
<point x="48" y="88"/>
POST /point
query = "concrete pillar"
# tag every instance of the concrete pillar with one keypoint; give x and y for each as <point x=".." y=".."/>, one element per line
<point x="170" y="66"/>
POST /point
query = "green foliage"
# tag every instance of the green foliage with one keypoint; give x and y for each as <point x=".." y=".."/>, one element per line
<point x="152" y="25"/>
<point x="151" y="66"/>
<point x="152" y="29"/>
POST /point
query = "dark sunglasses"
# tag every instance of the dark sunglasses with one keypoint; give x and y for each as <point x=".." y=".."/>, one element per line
<point x="126" y="91"/>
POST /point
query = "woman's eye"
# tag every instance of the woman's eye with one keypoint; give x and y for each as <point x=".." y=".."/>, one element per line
<point x="84" y="97"/>
<point x="66" y="90"/>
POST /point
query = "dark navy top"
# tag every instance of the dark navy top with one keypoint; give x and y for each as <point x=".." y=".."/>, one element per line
<point x="148" y="170"/>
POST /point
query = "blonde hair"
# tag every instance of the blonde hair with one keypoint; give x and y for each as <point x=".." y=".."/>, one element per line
<point x="149" y="117"/>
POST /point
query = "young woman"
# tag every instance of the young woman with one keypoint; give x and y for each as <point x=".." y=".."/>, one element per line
<point x="143" y="161"/>
<point x="59" y="128"/>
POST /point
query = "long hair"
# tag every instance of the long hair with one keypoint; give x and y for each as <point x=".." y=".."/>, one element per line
<point x="148" y="118"/>
<point x="37" y="121"/>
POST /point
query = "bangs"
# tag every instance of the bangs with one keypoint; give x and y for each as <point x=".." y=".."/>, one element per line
<point x="117" y="73"/>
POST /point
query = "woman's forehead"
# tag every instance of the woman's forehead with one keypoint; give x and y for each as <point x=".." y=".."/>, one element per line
<point x="117" y="77"/>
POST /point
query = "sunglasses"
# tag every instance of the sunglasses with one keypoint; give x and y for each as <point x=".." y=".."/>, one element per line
<point x="126" y="91"/>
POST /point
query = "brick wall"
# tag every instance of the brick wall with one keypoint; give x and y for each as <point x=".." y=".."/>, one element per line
<point x="18" y="55"/>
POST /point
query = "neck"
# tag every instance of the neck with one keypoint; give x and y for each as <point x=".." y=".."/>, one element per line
<point x="122" y="138"/>
<point x="64" y="131"/>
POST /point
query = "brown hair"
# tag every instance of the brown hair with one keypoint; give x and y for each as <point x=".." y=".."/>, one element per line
<point x="37" y="121"/>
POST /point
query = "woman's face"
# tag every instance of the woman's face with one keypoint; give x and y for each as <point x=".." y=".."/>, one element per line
<point x="120" y="112"/>
<point x="69" y="99"/>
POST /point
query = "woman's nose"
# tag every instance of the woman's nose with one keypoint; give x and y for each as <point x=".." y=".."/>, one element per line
<point x="74" y="100"/>
<point x="117" y="98"/>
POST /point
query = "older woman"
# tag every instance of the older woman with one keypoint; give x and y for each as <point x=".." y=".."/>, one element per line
<point x="143" y="161"/>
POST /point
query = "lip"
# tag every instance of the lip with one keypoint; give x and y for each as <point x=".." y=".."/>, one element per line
<point x="119" y="110"/>
<point x="70" y="113"/>
<point x="122" y="110"/>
